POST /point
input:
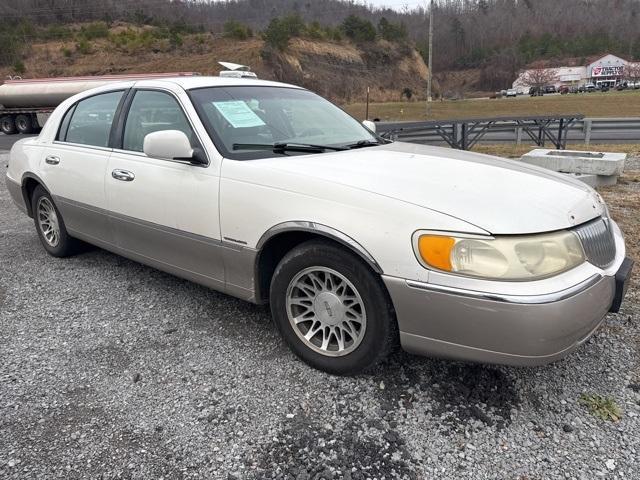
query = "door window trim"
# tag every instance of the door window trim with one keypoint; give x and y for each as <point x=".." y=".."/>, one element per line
<point x="82" y="145"/>
<point x="118" y="138"/>
<point x="116" y="114"/>
<point x="65" y="118"/>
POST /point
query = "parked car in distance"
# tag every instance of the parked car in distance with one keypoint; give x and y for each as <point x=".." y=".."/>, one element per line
<point x="272" y="194"/>
<point x="590" y="87"/>
<point x="512" y="92"/>
<point x="536" y="92"/>
<point x="564" y="90"/>
<point x="550" y="89"/>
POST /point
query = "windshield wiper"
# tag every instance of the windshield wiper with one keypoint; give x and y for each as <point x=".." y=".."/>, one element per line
<point x="286" y="147"/>
<point x="362" y="144"/>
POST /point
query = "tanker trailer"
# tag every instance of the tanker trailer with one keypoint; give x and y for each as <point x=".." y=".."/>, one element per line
<point x="25" y="105"/>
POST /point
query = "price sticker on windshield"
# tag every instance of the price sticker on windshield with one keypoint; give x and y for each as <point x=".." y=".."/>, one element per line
<point x="238" y="114"/>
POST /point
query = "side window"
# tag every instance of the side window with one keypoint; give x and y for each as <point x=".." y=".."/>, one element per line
<point x="91" y="120"/>
<point x="153" y="111"/>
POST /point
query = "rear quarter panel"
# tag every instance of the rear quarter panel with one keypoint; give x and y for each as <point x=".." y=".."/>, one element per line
<point x="24" y="157"/>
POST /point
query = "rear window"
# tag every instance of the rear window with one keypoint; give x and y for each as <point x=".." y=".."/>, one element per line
<point x="89" y="121"/>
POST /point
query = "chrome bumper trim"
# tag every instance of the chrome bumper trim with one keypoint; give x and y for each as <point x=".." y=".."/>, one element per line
<point x="518" y="299"/>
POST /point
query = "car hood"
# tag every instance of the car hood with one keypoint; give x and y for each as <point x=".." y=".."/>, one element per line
<point x="497" y="195"/>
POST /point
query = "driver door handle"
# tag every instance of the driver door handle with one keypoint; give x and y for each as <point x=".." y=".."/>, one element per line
<point x="123" y="175"/>
<point x="52" y="160"/>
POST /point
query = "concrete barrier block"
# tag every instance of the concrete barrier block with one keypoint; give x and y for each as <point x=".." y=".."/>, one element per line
<point x="595" y="180"/>
<point x="571" y="161"/>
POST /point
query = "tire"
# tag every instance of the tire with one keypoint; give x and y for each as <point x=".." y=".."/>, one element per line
<point x="8" y="125"/>
<point x="24" y="124"/>
<point x="55" y="240"/>
<point x="340" y="275"/>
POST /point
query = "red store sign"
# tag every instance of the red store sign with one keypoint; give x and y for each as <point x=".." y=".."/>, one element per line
<point x="607" y="71"/>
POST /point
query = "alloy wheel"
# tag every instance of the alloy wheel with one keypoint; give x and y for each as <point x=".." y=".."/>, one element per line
<point x="48" y="221"/>
<point x="326" y="311"/>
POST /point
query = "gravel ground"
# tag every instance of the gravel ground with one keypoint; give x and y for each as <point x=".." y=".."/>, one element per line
<point x="114" y="370"/>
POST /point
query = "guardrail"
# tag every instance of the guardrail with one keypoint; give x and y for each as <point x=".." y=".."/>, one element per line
<point x="557" y="130"/>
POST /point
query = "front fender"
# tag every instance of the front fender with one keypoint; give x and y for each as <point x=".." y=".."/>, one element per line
<point x="322" y="230"/>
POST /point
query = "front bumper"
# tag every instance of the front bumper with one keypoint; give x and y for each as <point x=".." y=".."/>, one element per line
<point x="510" y="330"/>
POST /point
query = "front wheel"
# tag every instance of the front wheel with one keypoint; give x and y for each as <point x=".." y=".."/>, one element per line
<point x="331" y="309"/>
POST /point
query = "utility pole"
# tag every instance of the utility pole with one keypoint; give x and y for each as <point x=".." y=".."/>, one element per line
<point x="366" y="115"/>
<point x="430" y="74"/>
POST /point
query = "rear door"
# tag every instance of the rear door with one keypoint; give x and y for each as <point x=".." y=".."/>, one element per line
<point x="73" y="166"/>
<point x="164" y="212"/>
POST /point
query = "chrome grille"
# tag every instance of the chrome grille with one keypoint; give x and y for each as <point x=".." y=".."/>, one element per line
<point x="597" y="241"/>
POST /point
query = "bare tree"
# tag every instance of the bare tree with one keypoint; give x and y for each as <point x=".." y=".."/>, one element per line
<point x="632" y="71"/>
<point x="538" y="77"/>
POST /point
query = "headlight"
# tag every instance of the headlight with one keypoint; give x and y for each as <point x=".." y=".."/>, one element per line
<point x="501" y="258"/>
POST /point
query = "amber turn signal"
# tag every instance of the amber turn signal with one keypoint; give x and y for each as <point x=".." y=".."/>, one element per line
<point x="435" y="251"/>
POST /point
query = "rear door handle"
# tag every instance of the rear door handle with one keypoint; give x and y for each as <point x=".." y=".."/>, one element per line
<point x="52" y="160"/>
<point x="123" y="175"/>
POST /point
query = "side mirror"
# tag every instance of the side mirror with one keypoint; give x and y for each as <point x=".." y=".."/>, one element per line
<point x="173" y="145"/>
<point x="370" y="125"/>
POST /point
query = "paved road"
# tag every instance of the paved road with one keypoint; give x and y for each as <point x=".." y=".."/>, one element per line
<point x="114" y="370"/>
<point x="7" y="141"/>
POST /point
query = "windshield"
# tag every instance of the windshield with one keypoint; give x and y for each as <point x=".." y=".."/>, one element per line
<point x="242" y="120"/>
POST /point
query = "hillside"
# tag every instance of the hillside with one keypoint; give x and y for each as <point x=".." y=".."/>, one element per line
<point x="339" y="70"/>
<point x="495" y="38"/>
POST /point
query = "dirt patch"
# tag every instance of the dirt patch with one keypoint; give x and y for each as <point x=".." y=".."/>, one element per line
<point x="348" y="53"/>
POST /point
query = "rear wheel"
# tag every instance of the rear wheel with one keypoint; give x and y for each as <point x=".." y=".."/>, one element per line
<point x="24" y="124"/>
<point x="50" y="225"/>
<point x="331" y="309"/>
<point x="8" y="125"/>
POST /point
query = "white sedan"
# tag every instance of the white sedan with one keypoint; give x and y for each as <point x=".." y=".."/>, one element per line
<point x="270" y="193"/>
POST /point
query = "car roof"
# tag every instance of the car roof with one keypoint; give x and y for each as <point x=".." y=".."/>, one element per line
<point x="186" y="83"/>
<point x="190" y="83"/>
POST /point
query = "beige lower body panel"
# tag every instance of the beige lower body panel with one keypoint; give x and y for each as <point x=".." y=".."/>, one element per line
<point x="15" y="190"/>
<point x="210" y="262"/>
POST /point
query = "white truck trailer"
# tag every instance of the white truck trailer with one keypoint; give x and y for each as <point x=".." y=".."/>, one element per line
<point x="25" y="105"/>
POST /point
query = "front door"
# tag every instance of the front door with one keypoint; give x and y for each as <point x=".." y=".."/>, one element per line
<point x="164" y="212"/>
